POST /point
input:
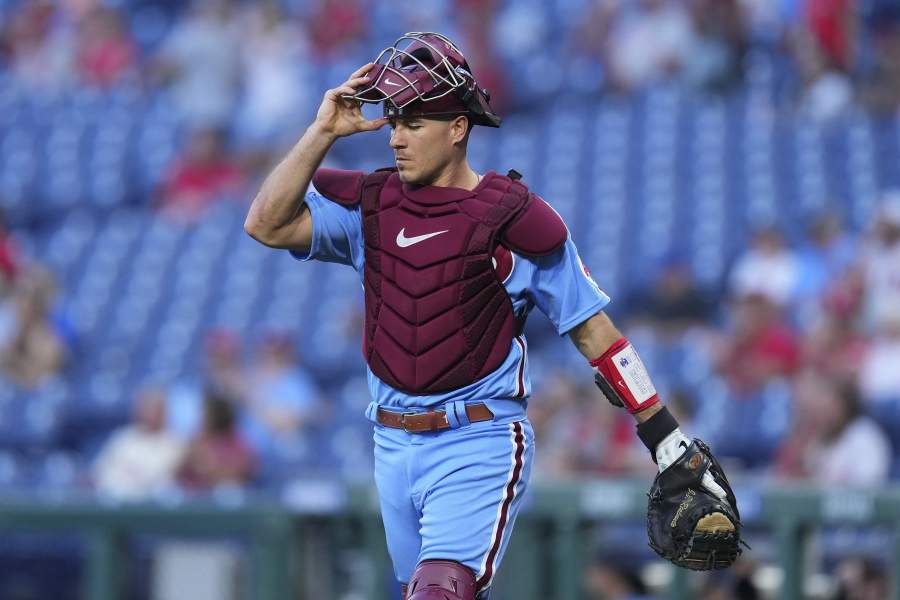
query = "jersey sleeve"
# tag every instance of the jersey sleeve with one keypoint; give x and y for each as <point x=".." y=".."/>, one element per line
<point x="336" y="233"/>
<point x="562" y="288"/>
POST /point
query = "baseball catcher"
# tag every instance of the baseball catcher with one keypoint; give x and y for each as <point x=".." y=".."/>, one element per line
<point x="451" y="263"/>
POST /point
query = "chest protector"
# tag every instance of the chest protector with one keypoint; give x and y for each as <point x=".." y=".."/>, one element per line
<point x="437" y="316"/>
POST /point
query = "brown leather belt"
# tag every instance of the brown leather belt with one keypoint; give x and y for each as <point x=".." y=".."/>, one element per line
<point x="433" y="420"/>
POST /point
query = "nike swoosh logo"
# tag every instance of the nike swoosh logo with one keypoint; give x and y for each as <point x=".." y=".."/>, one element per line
<point x="405" y="242"/>
<point x="389" y="82"/>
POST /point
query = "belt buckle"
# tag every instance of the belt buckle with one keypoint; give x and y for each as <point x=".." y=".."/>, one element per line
<point x="433" y="421"/>
<point x="403" y="421"/>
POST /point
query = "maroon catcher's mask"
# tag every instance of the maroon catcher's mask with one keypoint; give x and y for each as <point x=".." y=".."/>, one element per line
<point x="425" y="74"/>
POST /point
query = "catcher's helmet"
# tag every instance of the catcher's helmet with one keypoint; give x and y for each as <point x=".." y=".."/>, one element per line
<point x="426" y="74"/>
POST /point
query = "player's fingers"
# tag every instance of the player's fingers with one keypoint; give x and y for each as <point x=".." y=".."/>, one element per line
<point x="355" y="81"/>
<point x="354" y="84"/>
<point x="374" y="124"/>
<point x="345" y="90"/>
<point x="710" y="484"/>
<point x="361" y="70"/>
<point x="334" y="93"/>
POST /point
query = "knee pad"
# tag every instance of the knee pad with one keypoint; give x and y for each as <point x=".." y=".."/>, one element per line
<point x="442" y="580"/>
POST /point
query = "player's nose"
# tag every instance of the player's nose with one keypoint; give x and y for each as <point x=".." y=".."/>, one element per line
<point x="397" y="140"/>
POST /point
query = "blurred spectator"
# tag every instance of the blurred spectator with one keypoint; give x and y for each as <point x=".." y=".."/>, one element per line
<point x="881" y="87"/>
<point x="674" y="303"/>
<point x="768" y="267"/>
<point x="716" y="55"/>
<point x="204" y="173"/>
<point x="649" y="41"/>
<point x="833" y="26"/>
<point x="830" y="435"/>
<point x="273" y="55"/>
<point x="218" y="455"/>
<point x="760" y="347"/>
<point x="223" y="373"/>
<point x="826" y="90"/>
<point x="336" y="25"/>
<point x="39" y="54"/>
<point x="524" y="29"/>
<point x="597" y="439"/>
<point x="282" y="402"/>
<point x="551" y="412"/>
<point x="735" y="583"/>
<point x="861" y="578"/>
<point x="604" y="580"/>
<point x="823" y="259"/>
<point x="593" y="33"/>
<point x="224" y="370"/>
<point x="105" y="52"/>
<point x="881" y="264"/>
<point x="581" y="434"/>
<point x="34" y="350"/>
<point x="10" y="258"/>
<point x="140" y="459"/>
<point x="835" y="346"/>
<point x="200" y="60"/>
<point x="879" y="376"/>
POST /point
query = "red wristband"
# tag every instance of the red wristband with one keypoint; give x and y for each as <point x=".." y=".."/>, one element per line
<point x="623" y="370"/>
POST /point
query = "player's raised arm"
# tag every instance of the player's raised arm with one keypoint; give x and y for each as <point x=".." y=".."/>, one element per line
<point x="278" y="216"/>
<point x="693" y="516"/>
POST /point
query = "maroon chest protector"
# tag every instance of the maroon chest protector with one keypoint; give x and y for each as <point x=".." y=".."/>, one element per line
<point x="437" y="315"/>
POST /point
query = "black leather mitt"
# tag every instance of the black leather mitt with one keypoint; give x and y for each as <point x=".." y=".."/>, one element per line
<point x="687" y="524"/>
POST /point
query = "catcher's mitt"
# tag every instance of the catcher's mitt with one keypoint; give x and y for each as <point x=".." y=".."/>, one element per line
<point x="687" y="524"/>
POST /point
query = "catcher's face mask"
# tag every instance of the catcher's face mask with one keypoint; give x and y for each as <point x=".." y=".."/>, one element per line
<point x="426" y="74"/>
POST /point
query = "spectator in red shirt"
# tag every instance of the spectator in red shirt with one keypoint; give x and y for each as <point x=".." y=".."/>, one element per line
<point x="833" y="25"/>
<point x="761" y="348"/>
<point x="106" y="52"/>
<point x="835" y="344"/>
<point x="218" y="455"/>
<point x="335" y="25"/>
<point x="204" y="174"/>
<point x="10" y="259"/>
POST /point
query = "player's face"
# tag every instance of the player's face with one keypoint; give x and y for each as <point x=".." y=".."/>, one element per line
<point x="422" y="148"/>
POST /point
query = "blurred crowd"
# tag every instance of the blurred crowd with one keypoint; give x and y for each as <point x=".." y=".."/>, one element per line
<point x="245" y="76"/>
<point x="820" y="317"/>
<point x="788" y="367"/>
<point x="819" y="321"/>
<point x="237" y="424"/>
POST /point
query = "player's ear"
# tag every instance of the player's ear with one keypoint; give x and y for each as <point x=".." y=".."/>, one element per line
<point x="459" y="129"/>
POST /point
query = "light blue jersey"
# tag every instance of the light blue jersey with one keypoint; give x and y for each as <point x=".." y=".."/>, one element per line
<point x="557" y="284"/>
<point x="437" y="502"/>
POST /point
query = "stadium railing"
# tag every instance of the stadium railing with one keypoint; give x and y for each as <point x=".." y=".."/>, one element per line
<point x="552" y="544"/>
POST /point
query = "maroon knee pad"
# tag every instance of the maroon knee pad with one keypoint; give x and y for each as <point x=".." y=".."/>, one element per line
<point x="441" y="580"/>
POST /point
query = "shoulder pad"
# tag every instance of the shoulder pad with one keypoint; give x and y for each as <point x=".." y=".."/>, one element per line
<point x="538" y="230"/>
<point x="343" y="187"/>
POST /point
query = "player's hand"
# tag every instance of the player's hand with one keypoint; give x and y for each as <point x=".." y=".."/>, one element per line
<point x="339" y="116"/>
<point x="671" y="448"/>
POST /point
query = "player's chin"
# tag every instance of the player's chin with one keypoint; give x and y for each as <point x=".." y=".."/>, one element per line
<point x="406" y="172"/>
